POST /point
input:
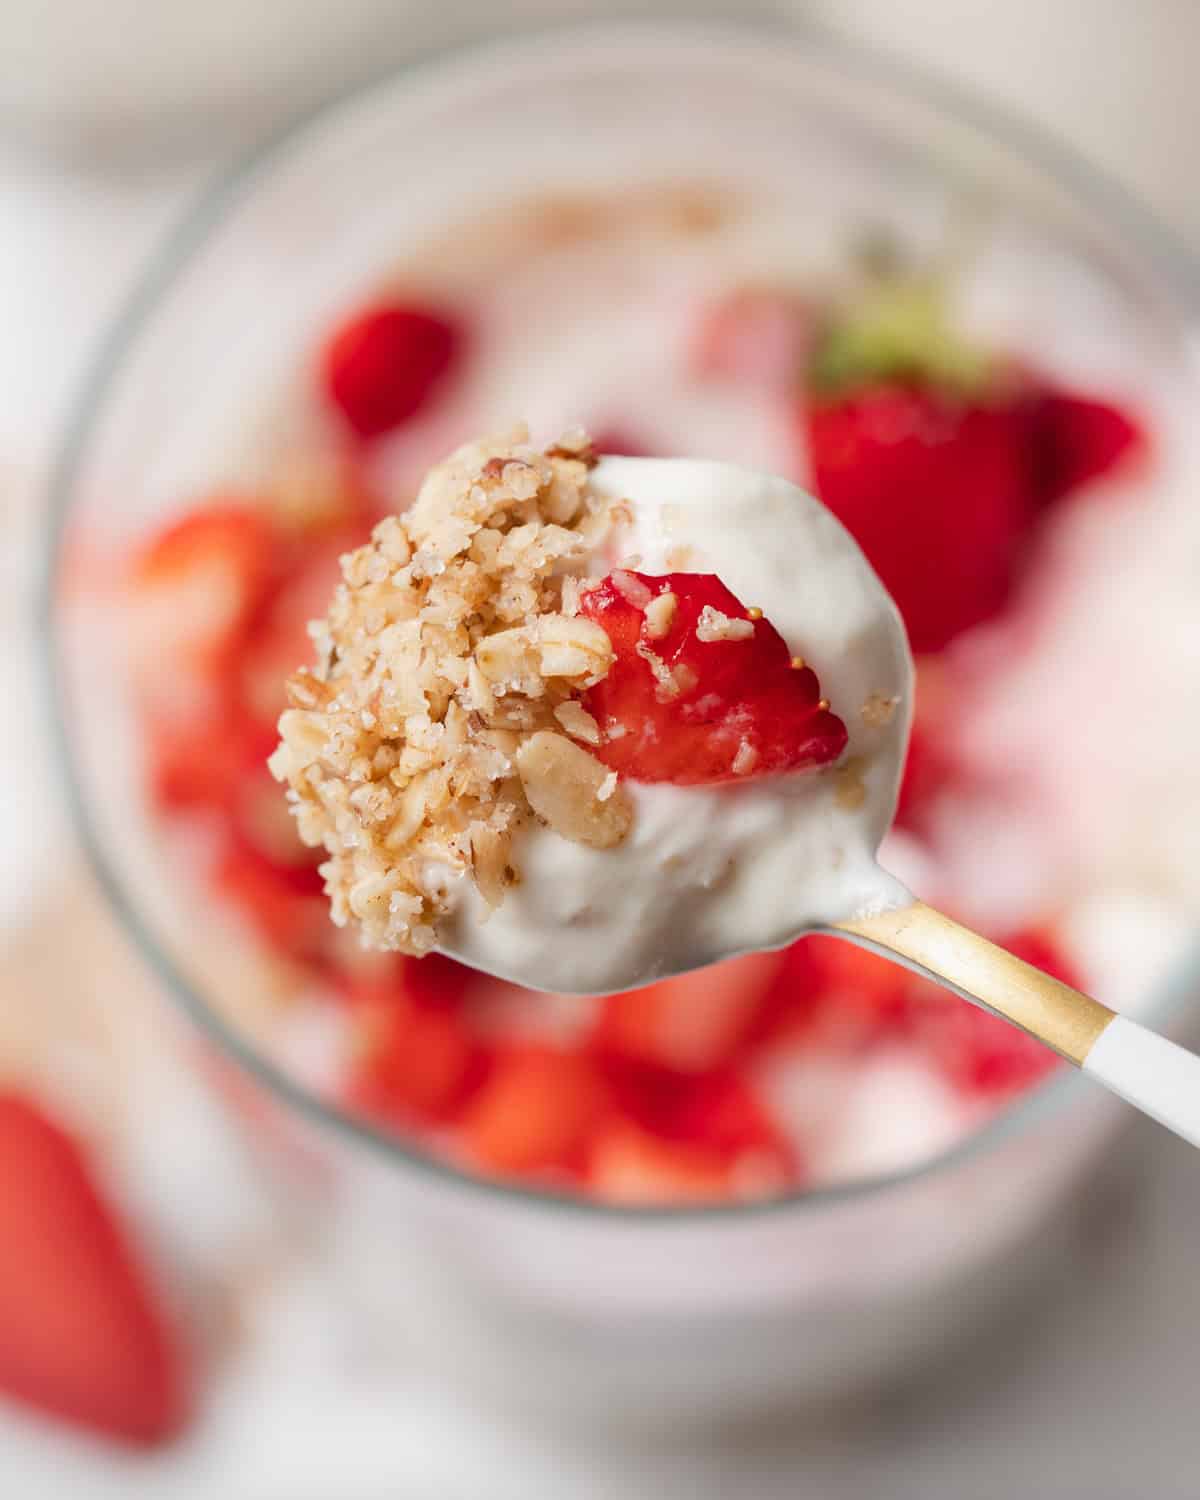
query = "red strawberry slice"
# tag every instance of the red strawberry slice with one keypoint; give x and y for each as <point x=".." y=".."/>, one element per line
<point x="385" y="363"/>
<point x="936" y="490"/>
<point x="1077" y="439"/>
<point x="677" y="706"/>
<point x="81" y="1335"/>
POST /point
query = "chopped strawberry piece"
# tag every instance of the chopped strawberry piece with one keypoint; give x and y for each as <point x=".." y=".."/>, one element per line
<point x="416" y="1060"/>
<point x="198" y="760"/>
<point x="754" y="336"/>
<point x="693" y="710"/>
<point x="937" y="492"/>
<point x="385" y="363"/>
<point x="536" y="1110"/>
<point x="843" y="996"/>
<point x="81" y="1334"/>
<point x="1077" y="439"/>
<point x="978" y="1051"/>
<point x="721" y="1112"/>
<point x="629" y="1165"/>
<point x="690" y="1023"/>
<point x="197" y="584"/>
<point x="284" y="904"/>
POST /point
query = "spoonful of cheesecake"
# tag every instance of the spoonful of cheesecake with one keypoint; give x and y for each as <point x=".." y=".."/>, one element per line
<point x="588" y="723"/>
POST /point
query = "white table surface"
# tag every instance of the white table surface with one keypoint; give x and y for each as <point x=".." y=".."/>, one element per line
<point x="1091" y="1396"/>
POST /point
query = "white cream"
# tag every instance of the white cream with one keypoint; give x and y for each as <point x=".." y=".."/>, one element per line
<point x="708" y="872"/>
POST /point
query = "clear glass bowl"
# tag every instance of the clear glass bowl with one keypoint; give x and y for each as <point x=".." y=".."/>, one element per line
<point x="569" y="1305"/>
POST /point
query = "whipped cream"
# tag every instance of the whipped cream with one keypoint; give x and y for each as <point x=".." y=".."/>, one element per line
<point x="708" y="872"/>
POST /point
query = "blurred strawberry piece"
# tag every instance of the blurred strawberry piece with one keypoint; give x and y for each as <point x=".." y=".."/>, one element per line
<point x="195" y="586"/>
<point x="836" y="996"/>
<point x="385" y="363"/>
<point x="81" y="1334"/>
<point x="198" y="761"/>
<point x="722" y="1112"/>
<point x="627" y="1164"/>
<point x="938" y="492"/>
<point x="753" y="336"/>
<point x="416" y="1060"/>
<point x="536" y="1110"/>
<point x="1077" y="439"/>
<point x="691" y="1023"/>
<point x="283" y="904"/>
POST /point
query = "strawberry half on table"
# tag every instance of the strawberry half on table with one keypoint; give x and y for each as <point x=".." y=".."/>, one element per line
<point x="81" y="1335"/>
<point x="702" y="689"/>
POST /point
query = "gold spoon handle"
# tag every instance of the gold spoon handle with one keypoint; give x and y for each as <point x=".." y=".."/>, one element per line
<point x="1155" y="1075"/>
<point x="941" y="949"/>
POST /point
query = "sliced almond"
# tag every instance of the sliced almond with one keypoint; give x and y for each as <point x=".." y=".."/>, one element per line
<point x="563" y="784"/>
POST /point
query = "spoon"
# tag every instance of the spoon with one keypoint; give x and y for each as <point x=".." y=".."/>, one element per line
<point x="710" y="872"/>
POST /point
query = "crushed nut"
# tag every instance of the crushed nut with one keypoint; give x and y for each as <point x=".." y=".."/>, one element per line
<point x="425" y="738"/>
<point x="578" y="723"/>
<point x="563" y="784"/>
<point x="878" y="710"/>
<point x="851" y="788"/>
<point x="715" y="626"/>
<point x="660" y="615"/>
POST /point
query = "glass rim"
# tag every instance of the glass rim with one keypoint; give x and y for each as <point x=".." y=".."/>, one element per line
<point x="1174" y="267"/>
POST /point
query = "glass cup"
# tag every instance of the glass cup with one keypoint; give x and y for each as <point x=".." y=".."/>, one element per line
<point x="561" y="1305"/>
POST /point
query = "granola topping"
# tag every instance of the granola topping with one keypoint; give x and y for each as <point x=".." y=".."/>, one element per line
<point x="434" y="725"/>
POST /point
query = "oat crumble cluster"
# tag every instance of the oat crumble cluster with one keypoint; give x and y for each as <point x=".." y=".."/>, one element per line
<point x="435" y="723"/>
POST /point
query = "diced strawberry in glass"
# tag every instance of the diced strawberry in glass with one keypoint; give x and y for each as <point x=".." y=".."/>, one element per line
<point x="285" y="906"/>
<point x="385" y="364"/>
<point x="691" y="1023"/>
<point x="197" y="760"/>
<point x="535" y="1112"/>
<point x="416" y="1060"/>
<point x="854" y="998"/>
<point x="195" y="586"/>
<point x="675" y="707"/>
<point x="721" y="1112"/>
<point x="629" y="1165"/>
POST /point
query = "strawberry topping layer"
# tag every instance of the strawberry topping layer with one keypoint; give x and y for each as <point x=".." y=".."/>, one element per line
<point x="702" y="689"/>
